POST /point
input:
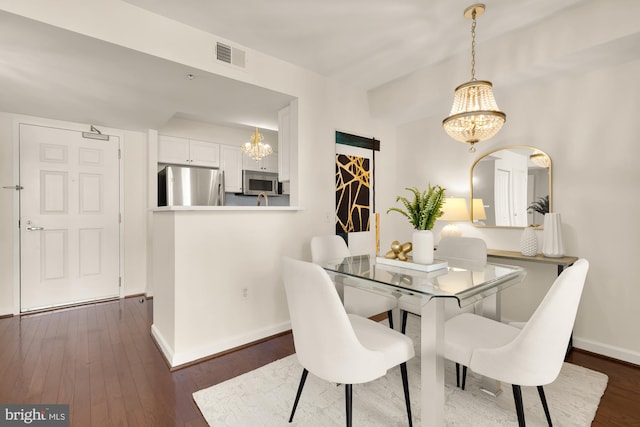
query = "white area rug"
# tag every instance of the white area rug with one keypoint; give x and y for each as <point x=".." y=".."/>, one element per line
<point x="264" y="397"/>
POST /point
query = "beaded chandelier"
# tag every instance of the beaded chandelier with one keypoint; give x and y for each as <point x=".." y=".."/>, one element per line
<point x="474" y="115"/>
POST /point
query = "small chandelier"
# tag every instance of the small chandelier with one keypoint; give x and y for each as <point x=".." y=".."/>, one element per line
<point x="474" y="115"/>
<point x="540" y="159"/>
<point x="255" y="148"/>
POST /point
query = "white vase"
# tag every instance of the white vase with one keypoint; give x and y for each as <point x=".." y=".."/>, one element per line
<point x="528" y="242"/>
<point x="422" y="241"/>
<point x="552" y="245"/>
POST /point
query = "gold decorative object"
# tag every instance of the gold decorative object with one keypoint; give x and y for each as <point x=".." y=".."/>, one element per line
<point x="399" y="251"/>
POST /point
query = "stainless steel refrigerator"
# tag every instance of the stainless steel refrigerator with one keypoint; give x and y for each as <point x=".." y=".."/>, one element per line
<point x="190" y="186"/>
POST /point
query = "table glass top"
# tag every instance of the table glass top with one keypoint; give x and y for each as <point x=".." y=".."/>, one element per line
<point x="465" y="281"/>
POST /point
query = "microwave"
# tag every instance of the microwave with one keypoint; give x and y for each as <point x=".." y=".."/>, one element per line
<point x="256" y="182"/>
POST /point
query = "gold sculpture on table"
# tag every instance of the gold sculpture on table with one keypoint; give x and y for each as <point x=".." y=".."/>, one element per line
<point x="399" y="251"/>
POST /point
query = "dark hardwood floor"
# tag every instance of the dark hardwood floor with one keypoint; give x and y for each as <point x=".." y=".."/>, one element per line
<point x="101" y="360"/>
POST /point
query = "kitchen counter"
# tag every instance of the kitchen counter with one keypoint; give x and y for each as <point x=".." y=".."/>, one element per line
<point x="215" y="277"/>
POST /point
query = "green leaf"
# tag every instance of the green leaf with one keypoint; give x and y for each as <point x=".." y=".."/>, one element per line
<point x="425" y="207"/>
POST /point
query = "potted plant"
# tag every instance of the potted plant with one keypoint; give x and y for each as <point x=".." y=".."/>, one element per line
<point x="422" y="213"/>
<point x="540" y="206"/>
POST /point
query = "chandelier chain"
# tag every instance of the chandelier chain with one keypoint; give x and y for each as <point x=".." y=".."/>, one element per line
<point x="473" y="45"/>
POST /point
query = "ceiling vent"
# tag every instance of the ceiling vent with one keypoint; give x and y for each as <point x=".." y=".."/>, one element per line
<point x="230" y="55"/>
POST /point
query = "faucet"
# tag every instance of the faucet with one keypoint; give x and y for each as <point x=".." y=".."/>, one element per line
<point x="266" y="199"/>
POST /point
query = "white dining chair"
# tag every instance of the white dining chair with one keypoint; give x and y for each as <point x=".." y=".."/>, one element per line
<point x="364" y="302"/>
<point x="531" y="356"/>
<point x="333" y="345"/>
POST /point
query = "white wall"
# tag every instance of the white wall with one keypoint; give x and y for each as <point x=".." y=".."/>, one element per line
<point x="8" y="218"/>
<point x="134" y="154"/>
<point x="586" y="123"/>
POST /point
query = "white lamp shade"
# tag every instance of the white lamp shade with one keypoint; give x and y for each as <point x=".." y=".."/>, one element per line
<point x="477" y="206"/>
<point x="455" y="209"/>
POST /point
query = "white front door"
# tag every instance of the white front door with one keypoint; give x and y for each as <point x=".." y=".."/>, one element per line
<point x="519" y="198"/>
<point x="69" y="217"/>
<point x="502" y="197"/>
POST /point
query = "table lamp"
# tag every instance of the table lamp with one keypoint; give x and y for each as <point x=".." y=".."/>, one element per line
<point x="479" y="214"/>
<point x="455" y="209"/>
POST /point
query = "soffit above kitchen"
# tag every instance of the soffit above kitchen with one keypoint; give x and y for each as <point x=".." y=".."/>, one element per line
<point x="50" y="72"/>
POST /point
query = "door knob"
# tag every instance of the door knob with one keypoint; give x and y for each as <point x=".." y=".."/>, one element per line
<point x="34" y="228"/>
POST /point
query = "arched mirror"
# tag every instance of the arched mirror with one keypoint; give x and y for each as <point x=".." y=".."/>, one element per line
<point x="511" y="187"/>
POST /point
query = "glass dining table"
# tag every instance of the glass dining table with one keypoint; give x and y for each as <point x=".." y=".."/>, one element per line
<point x="463" y="281"/>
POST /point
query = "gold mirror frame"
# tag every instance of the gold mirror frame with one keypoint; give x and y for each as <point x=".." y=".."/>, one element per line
<point x="485" y="208"/>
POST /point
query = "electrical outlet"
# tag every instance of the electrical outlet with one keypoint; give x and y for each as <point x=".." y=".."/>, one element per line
<point x="245" y="293"/>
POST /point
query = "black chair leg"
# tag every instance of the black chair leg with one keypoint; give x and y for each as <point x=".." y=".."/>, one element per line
<point x="404" y="320"/>
<point x="517" y="397"/>
<point x="390" y="317"/>
<point x="543" y="399"/>
<point x="464" y="375"/>
<point x="295" y="404"/>
<point x="348" y="398"/>
<point x="405" y="386"/>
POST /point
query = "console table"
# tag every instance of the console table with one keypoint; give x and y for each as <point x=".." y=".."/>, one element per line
<point x="561" y="262"/>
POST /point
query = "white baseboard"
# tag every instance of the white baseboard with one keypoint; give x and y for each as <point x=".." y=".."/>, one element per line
<point x="183" y="357"/>
<point x="6" y="310"/>
<point x="619" y="353"/>
<point x="134" y="291"/>
<point x="165" y="348"/>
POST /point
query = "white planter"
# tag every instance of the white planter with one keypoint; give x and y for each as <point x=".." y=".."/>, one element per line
<point x="552" y="245"/>
<point x="422" y="241"/>
<point x="528" y="242"/>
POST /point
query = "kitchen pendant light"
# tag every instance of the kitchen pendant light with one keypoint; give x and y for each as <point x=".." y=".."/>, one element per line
<point x="474" y="115"/>
<point x="255" y="148"/>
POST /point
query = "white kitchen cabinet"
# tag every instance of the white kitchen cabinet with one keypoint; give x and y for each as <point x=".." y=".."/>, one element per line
<point x="204" y="153"/>
<point x="266" y="164"/>
<point x="270" y="163"/>
<point x="173" y="150"/>
<point x="231" y="164"/>
<point x="182" y="151"/>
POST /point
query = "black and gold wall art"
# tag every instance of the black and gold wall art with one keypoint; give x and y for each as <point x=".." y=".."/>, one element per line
<point x="353" y="187"/>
